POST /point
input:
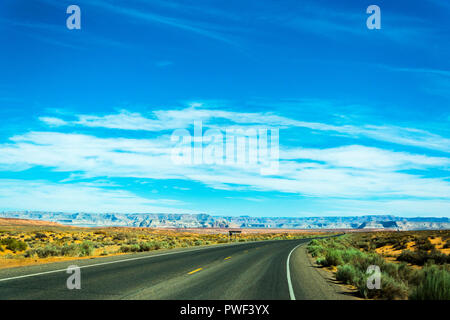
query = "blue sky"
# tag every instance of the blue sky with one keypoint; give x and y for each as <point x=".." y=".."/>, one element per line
<point x="363" y="115"/>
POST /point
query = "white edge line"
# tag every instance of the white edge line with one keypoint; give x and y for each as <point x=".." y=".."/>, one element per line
<point x="288" y="272"/>
<point x="125" y="260"/>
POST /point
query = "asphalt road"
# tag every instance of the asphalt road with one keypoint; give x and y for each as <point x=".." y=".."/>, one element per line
<point x="243" y="271"/>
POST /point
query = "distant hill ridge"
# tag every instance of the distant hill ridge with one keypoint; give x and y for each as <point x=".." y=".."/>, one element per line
<point x="202" y="220"/>
<point x="26" y="222"/>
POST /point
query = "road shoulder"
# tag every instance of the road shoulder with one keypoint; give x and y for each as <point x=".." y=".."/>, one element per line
<point x="312" y="282"/>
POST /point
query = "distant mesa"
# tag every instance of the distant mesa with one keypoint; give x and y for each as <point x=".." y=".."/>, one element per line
<point x="203" y="220"/>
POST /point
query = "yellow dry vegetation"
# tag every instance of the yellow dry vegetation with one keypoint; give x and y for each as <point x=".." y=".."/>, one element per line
<point x="25" y="245"/>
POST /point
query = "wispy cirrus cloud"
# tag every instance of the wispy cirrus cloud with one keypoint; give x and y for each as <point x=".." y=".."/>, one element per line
<point x="194" y="26"/>
<point x="183" y="118"/>
<point x="57" y="35"/>
<point x="439" y="72"/>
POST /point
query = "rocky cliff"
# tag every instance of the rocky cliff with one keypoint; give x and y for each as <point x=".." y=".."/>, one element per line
<point x="155" y="220"/>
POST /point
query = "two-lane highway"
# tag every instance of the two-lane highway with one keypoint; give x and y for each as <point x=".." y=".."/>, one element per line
<point x="254" y="271"/>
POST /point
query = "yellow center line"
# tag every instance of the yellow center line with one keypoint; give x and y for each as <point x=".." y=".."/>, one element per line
<point x="196" y="270"/>
<point x="227" y="258"/>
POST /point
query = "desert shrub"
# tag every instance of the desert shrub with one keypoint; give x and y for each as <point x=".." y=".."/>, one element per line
<point x="348" y="274"/>
<point x="390" y="288"/>
<point x="379" y="242"/>
<point x="13" y="244"/>
<point x="86" y="248"/>
<point x="365" y="260"/>
<point x="71" y="250"/>
<point x="151" y="245"/>
<point x="142" y="246"/>
<point x="332" y="258"/>
<point x="40" y="235"/>
<point x="125" y="248"/>
<point x="446" y="244"/>
<point x="365" y="245"/>
<point x="97" y="244"/>
<point x="316" y="250"/>
<point x="422" y="257"/>
<point x="50" y="250"/>
<point x="411" y="257"/>
<point x="435" y="284"/>
<point x="119" y="237"/>
<point x="145" y="246"/>
<point x="351" y="254"/>
<point x="424" y="244"/>
<point x="135" y="248"/>
<point x="335" y="244"/>
<point x="400" y="245"/>
<point x="409" y="275"/>
<point x="391" y="269"/>
<point x="173" y="243"/>
<point x="398" y="280"/>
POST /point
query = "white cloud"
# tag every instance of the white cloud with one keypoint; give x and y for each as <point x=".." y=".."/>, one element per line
<point x="346" y="172"/>
<point x="184" y="118"/>
<point x="356" y="156"/>
<point x="353" y="171"/>
<point x="47" y="196"/>
<point x="54" y="122"/>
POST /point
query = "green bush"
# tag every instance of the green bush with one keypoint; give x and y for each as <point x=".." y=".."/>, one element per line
<point x="13" y="244"/>
<point x="71" y="250"/>
<point x="362" y="262"/>
<point x="40" y="235"/>
<point x="316" y="250"/>
<point x="125" y="248"/>
<point x="398" y="280"/>
<point x="348" y="274"/>
<point x="420" y="258"/>
<point x="351" y="254"/>
<point x="424" y="244"/>
<point x="435" y="284"/>
<point x="141" y="247"/>
<point x="86" y="248"/>
<point x="50" y="250"/>
<point x="333" y="258"/>
<point x="151" y="245"/>
<point x="390" y="288"/>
